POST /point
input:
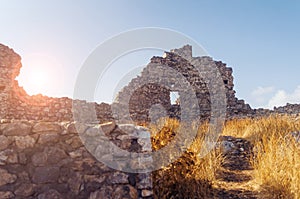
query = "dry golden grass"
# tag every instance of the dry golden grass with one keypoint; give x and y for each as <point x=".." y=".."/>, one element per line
<point x="277" y="167"/>
<point x="254" y="129"/>
<point x="276" y="159"/>
<point x="237" y="127"/>
<point x="190" y="176"/>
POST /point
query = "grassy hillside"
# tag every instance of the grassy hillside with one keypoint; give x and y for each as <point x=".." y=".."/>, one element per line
<point x="275" y="159"/>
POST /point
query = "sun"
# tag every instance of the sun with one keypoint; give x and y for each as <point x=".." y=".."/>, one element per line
<point x="38" y="79"/>
<point x="39" y="74"/>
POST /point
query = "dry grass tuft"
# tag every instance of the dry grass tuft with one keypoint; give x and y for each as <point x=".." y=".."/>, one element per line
<point x="189" y="176"/>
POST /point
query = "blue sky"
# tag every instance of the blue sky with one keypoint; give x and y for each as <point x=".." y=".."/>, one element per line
<point x="260" y="40"/>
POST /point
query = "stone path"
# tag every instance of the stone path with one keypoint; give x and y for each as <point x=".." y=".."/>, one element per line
<point x="234" y="178"/>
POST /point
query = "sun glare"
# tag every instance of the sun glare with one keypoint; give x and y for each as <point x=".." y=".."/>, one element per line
<point x="37" y="79"/>
<point x="39" y="74"/>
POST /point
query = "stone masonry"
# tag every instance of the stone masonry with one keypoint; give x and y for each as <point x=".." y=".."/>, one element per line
<point x="49" y="160"/>
<point x="42" y="155"/>
<point x="17" y="104"/>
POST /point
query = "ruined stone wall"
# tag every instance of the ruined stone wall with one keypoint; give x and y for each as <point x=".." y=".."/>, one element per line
<point x="17" y="104"/>
<point x="39" y="107"/>
<point x="288" y="109"/>
<point x="148" y="94"/>
<point x="10" y="65"/>
<point x="48" y="160"/>
<point x="137" y="101"/>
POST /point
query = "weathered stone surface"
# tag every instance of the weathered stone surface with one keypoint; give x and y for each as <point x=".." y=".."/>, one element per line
<point x="4" y="142"/>
<point x="125" y="192"/>
<point x="75" y="142"/>
<point x="39" y="159"/>
<point x="23" y="176"/>
<point x="6" y="177"/>
<point x="107" y="128"/>
<point x="104" y="192"/>
<point x="144" y="181"/>
<point x="25" y="190"/>
<point x="47" y="138"/>
<point x="120" y="192"/>
<point x="76" y="154"/>
<point x="119" y="178"/>
<point x="8" y="156"/>
<point x="51" y="194"/>
<point x="147" y="193"/>
<point x="47" y="127"/>
<point x="94" y="178"/>
<point x="3" y="158"/>
<point x="75" y="183"/>
<point x="145" y="143"/>
<point x="76" y="128"/>
<point x="45" y="175"/>
<point x="226" y="146"/>
<point x="24" y="142"/>
<point x="71" y="128"/>
<point x="6" y="195"/>
<point x="17" y="129"/>
<point x="22" y="158"/>
<point x="54" y="155"/>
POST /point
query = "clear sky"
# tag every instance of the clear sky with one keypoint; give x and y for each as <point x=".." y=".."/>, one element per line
<point x="260" y="40"/>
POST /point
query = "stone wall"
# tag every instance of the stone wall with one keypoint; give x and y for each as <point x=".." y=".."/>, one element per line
<point x="10" y="65"/>
<point x="167" y="72"/>
<point x="288" y="109"/>
<point x="48" y="160"/>
<point x="139" y="99"/>
<point x="136" y="101"/>
<point x="17" y="104"/>
<point x="39" y="107"/>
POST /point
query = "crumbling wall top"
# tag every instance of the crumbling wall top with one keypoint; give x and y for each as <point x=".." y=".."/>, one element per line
<point x="10" y="64"/>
